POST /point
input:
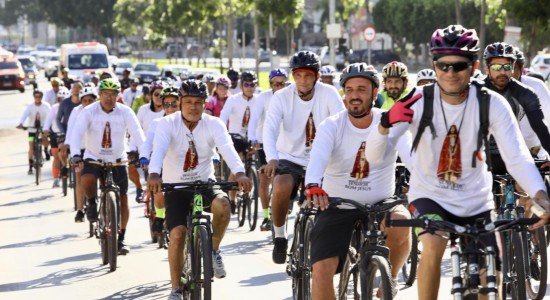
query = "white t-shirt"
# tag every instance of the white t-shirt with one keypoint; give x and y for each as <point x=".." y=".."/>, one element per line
<point x="289" y="117"/>
<point x="128" y="96"/>
<point x="50" y="121"/>
<point x="185" y="156"/>
<point x="237" y="112"/>
<point x="339" y="161"/>
<point x="35" y="112"/>
<point x="105" y="132"/>
<point x="471" y="192"/>
<point x="145" y="116"/>
<point x="257" y="116"/>
<point x="50" y="97"/>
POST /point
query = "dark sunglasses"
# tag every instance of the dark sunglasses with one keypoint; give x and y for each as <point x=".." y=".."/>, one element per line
<point x="174" y="104"/>
<point x="249" y="85"/>
<point x="156" y="94"/>
<point x="278" y="83"/>
<point x="457" y="67"/>
<point x="498" y="67"/>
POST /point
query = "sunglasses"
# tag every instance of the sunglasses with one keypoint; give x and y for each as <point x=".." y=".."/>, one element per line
<point x="156" y="94"/>
<point x="278" y="83"/>
<point x="457" y="67"/>
<point x="249" y="85"/>
<point x="498" y="67"/>
<point x="174" y="104"/>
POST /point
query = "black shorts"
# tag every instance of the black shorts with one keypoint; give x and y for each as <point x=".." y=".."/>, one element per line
<point x="239" y="143"/>
<point x="260" y="154"/>
<point x="429" y="209"/>
<point x="178" y="204"/>
<point x="120" y="175"/>
<point x="53" y="140"/>
<point x="298" y="173"/>
<point x="331" y="234"/>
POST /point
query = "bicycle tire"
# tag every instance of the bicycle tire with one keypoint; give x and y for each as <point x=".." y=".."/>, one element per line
<point x="349" y="284"/>
<point x="64" y="187"/>
<point x="537" y="260"/>
<point x="102" y="233"/>
<point x="241" y="208"/>
<point x="517" y="268"/>
<point x="112" y="232"/>
<point x="294" y="263"/>
<point x="306" y="264"/>
<point x="252" y="214"/>
<point x="376" y="264"/>
<point x="90" y="229"/>
<point x="38" y="163"/>
<point x="409" y="268"/>
<point x="186" y="273"/>
<point x="151" y="215"/>
<point x="202" y="265"/>
<point x="73" y="179"/>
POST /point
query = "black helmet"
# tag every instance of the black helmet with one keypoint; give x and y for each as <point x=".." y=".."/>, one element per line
<point x="233" y="74"/>
<point x="305" y="60"/>
<point x="359" y="70"/>
<point x="193" y="88"/>
<point x="248" y="76"/>
<point x="499" y="49"/>
<point x="456" y="40"/>
<point x="520" y="58"/>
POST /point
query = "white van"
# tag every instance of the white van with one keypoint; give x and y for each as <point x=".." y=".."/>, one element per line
<point x="83" y="59"/>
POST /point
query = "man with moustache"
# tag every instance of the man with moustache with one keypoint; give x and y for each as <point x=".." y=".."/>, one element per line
<point x="395" y="75"/>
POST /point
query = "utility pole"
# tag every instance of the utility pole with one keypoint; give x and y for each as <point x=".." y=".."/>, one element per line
<point x="332" y="20"/>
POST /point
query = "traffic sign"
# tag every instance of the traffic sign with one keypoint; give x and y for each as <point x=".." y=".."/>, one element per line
<point x="369" y="33"/>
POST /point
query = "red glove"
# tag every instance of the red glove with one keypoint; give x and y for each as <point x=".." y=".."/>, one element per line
<point x="400" y="112"/>
<point x="314" y="190"/>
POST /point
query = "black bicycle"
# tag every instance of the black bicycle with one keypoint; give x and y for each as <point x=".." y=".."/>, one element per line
<point x="469" y="254"/>
<point x="197" y="268"/>
<point x="108" y="223"/>
<point x="367" y="264"/>
<point x="37" y="146"/>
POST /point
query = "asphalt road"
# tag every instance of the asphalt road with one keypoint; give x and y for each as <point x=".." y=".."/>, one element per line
<point x="44" y="254"/>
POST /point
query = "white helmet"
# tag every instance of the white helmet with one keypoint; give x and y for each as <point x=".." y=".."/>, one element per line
<point x="327" y="71"/>
<point x="426" y="74"/>
<point x="63" y="93"/>
<point x="88" y="90"/>
<point x="478" y="75"/>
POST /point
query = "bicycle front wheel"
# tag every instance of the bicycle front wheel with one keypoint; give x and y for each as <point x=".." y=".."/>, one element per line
<point x="64" y="186"/>
<point x="306" y="261"/>
<point x="241" y="208"/>
<point x="102" y="232"/>
<point x="294" y="267"/>
<point x="377" y="275"/>
<point x="252" y="209"/>
<point x="38" y="164"/>
<point x="517" y="267"/>
<point x="348" y="285"/>
<point x="112" y="229"/>
<point x="409" y="268"/>
<point x="537" y="261"/>
<point x="202" y="265"/>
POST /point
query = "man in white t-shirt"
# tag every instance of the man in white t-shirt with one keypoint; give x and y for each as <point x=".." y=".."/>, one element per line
<point x="289" y="131"/>
<point x="339" y="168"/>
<point x="184" y="145"/>
<point x="234" y="76"/>
<point x="103" y="125"/>
<point x="132" y="92"/>
<point x="447" y="181"/>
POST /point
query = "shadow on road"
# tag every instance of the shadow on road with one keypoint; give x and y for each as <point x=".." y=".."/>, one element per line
<point x="52" y="240"/>
<point x="30" y="200"/>
<point x="39" y="215"/>
<point x="153" y="290"/>
<point x="264" y="279"/>
<point x="248" y="247"/>
<point x="13" y="187"/>
<point x="83" y="257"/>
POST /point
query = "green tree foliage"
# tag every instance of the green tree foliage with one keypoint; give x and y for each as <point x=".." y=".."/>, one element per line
<point x="534" y="18"/>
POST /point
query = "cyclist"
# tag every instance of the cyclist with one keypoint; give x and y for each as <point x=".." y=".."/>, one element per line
<point x="51" y="129"/>
<point x="66" y="106"/>
<point x="236" y="114"/>
<point x="210" y="81"/>
<point x="35" y="114"/>
<point x="233" y="75"/>
<point x="179" y="138"/>
<point x="142" y="99"/>
<point x="449" y="186"/>
<point x="338" y="161"/>
<point x="105" y="124"/>
<point x="277" y="80"/>
<point x="221" y="93"/>
<point x="327" y="74"/>
<point x="126" y="81"/>
<point x="424" y="77"/>
<point x="67" y="81"/>
<point x="50" y="96"/>
<point x="289" y="129"/>
<point x="95" y="80"/>
<point x="132" y="92"/>
<point x="171" y="102"/>
<point x="87" y="96"/>
<point x="395" y="77"/>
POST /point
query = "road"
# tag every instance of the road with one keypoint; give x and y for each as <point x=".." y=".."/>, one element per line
<point x="44" y="254"/>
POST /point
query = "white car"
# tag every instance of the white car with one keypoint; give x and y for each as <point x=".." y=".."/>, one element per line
<point x="541" y="64"/>
<point x="51" y="64"/>
<point x="122" y="65"/>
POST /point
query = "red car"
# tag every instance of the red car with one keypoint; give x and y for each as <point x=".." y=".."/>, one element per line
<point x="12" y="75"/>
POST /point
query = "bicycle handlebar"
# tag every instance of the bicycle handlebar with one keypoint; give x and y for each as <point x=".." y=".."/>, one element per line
<point x="381" y="206"/>
<point x="106" y="164"/>
<point x="199" y="185"/>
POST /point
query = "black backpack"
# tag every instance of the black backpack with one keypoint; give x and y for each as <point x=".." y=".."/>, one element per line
<point x="483" y="133"/>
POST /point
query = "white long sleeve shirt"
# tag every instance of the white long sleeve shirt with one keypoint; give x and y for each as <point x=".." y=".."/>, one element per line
<point x="50" y="123"/>
<point x="50" y="97"/>
<point x="237" y="111"/>
<point x="338" y="160"/>
<point x="145" y="117"/>
<point x="287" y="117"/>
<point x="544" y="95"/>
<point x="128" y="96"/>
<point x="174" y="154"/>
<point x="471" y="194"/>
<point x="147" y="147"/>
<point x="35" y="112"/>
<point x="71" y="124"/>
<point x="257" y="116"/>
<point x="105" y="132"/>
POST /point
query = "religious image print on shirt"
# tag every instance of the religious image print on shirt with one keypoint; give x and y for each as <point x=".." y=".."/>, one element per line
<point x="37" y="120"/>
<point x="191" y="157"/>
<point x="106" y="140"/>
<point x="246" y="119"/>
<point x="310" y="130"/>
<point x="361" y="165"/>
<point x="450" y="163"/>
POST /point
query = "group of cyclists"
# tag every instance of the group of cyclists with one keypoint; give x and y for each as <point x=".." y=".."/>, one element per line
<point x="309" y="135"/>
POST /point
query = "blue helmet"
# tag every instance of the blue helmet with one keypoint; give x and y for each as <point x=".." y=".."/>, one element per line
<point x="277" y="72"/>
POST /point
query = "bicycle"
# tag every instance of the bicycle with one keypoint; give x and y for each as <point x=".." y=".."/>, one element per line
<point x="368" y="255"/>
<point x="534" y="267"/>
<point x="38" y="159"/>
<point x="299" y="264"/>
<point x="247" y="203"/>
<point x="470" y="255"/>
<point x="64" y="179"/>
<point x="108" y="223"/>
<point x="197" y="268"/>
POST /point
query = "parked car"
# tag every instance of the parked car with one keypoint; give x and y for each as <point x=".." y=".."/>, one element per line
<point x="324" y="54"/>
<point x="124" y="49"/>
<point x="51" y="64"/>
<point x="12" y="76"/>
<point x="174" y="51"/>
<point x="146" y="72"/>
<point x="176" y="70"/>
<point x="122" y="65"/>
<point x="541" y="64"/>
<point x="356" y="56"/>
<point x="265" y="55"/>
<point x="29" y="66"/>
<point x="206" y="71"/>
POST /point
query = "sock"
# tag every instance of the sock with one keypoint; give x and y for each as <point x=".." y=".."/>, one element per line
<point x="161" y="212"/>
<point x="121" y="235"/>
<point x="266" y="213"/>
<point x="55" y="172"/>
<point x="31" y="162"/>
<point x="280" y="232"/>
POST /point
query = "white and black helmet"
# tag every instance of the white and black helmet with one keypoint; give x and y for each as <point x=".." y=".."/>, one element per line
<point x="425" y="74"/>
<point x="63" y="93"/>
<point x="359" y="70"/>
<point x="327" y="70"/>
<point x="89" y="89"/>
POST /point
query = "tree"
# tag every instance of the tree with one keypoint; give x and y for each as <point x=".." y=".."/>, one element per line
<point x="534" y="18"/>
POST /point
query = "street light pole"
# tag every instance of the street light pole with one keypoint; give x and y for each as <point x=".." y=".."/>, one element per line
<point x="332" y="20"/>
